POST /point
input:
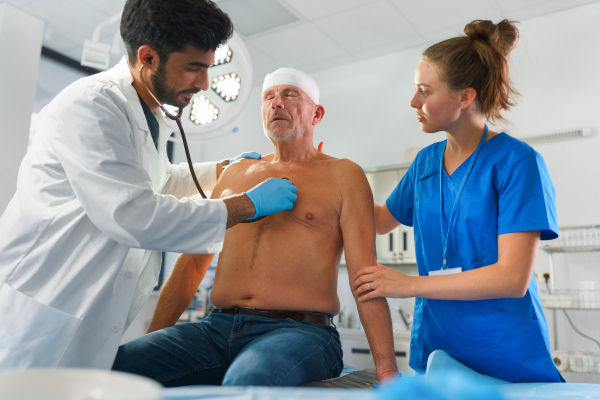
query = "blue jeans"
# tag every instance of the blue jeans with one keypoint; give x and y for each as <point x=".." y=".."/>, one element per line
<point x="235" y="350"/>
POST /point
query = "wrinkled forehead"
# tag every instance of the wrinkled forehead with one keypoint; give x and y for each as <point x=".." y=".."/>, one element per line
<point x="283" y="90"/>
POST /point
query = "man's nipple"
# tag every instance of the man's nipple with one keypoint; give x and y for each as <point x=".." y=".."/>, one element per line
<point x="309" y="216"/>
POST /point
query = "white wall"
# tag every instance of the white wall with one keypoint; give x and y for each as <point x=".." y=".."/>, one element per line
<point x="20" y="48"/>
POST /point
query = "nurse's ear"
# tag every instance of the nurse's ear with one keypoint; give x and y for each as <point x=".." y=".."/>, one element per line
<point x="467" y="97"/>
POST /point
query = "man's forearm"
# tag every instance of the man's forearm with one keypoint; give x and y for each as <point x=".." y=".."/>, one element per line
<point x="377" y="323"/>
<point x="178" y="291"/>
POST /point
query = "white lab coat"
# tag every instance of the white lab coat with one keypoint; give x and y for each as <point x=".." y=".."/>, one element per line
<point x="72" y="277"/>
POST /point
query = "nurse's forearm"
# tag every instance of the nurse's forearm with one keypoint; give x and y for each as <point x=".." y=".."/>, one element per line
<point x="179" y="289"/>
<point x="488" y="282"/>
<point x="509" y="277"/>
<point x="384" y="220"/>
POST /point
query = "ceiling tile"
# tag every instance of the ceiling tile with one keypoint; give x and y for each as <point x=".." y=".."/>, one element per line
<point x="314" y="9"/>
<point x="443" y="34"/>
<point x="512" y="5"/>
<point x="400" y="45"/>
<point x="18" y="3"/>
<point x="111" y="7"/>
<point x="262" y="64"/>
<point x="297" y="45"/>
<point x="537" y="8"/>
<point x="76" y="25"/>
<point x="254" y="16"/>
<point x="362" y="27"/>
<point x="432" y="15"/>
<point x="326" y="64"/>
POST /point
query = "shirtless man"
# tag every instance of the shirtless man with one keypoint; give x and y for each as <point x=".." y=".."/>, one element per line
<point x="286" y="262"/>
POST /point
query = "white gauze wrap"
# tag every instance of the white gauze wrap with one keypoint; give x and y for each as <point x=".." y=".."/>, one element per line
<point x="291" y="76"/>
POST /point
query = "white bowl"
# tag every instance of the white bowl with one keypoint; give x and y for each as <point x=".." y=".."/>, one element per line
<point x="76" y="384"/>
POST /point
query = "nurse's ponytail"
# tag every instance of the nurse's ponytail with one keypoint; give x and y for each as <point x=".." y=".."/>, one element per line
<point x="479" y="60"/>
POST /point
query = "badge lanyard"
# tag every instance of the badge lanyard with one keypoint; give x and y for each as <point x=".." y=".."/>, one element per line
<point x="446" y="234"/>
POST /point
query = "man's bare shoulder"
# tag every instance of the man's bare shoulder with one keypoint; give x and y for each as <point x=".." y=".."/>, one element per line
<point x="346" y="168"/>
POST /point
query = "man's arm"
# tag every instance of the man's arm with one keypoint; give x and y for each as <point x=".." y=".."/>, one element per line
<point x="179" y="289"/>
<point x="357" y="221"/>
<point x="189" y="270"/>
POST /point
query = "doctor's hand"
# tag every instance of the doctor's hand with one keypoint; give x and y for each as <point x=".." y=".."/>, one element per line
<point x="381" y="281"/>
<point x="272" y="196"/>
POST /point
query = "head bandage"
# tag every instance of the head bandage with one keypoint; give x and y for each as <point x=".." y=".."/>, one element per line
<point x="291" y="76"/>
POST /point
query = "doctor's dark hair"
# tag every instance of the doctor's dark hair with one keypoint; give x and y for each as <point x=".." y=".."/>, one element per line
<point x="479" y="60"/>
<point x="168" y="25"/>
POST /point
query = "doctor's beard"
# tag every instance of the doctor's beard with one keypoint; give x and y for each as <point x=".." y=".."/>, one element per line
<point x="164" y="93"/>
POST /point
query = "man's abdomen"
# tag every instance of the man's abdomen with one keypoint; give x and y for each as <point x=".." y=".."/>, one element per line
<point x="278" y="269"/>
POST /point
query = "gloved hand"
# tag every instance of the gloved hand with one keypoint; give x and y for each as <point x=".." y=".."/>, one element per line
<point x="272" y="196"/>
<point x="248" y="154"/>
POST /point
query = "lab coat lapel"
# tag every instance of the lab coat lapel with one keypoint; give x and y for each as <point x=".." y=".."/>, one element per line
<point x="149" y="156"/>
<point x="146" y="262"/>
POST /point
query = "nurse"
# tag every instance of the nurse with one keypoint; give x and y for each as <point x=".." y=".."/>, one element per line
<point x="97" y="200"/>
<point x="479" y="203"/>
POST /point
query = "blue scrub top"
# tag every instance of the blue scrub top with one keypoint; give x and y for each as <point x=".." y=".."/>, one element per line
<point x="509" y="190"/>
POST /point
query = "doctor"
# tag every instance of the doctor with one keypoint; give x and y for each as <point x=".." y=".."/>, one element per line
<point x="479" y="203"/>
<point x="96" y="188"/>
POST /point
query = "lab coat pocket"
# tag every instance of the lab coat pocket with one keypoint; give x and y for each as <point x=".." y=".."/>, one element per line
<point x="506" y="346"/>
<point x="32" y="334"/>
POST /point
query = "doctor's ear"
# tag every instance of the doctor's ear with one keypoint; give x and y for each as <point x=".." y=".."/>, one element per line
<point x="146" y="55"/>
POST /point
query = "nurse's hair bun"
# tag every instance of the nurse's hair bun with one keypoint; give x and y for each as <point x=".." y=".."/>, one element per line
<point x="502" y="36"/>
<point x="479" y="60"/>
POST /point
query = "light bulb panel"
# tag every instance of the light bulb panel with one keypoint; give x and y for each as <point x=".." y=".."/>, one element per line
<point x="227" y="86"/>
<point x="223" y="55"/>
<point x="203" y="111"/>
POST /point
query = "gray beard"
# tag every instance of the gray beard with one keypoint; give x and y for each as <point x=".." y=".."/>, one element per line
<point x="287" y="135"/>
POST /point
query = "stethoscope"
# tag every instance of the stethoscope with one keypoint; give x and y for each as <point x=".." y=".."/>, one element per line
<point x="177" y="118"/>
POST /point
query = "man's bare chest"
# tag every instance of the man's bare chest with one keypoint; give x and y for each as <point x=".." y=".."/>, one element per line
<point x="319" y="199"/>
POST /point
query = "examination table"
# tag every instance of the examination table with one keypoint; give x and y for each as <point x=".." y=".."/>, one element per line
<point x="438" y="362"/>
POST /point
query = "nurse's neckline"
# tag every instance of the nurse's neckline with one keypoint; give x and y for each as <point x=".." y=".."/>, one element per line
<point x="449" y="175"/>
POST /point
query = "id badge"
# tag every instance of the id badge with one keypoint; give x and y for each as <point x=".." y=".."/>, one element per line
<point x="445" y="271"/>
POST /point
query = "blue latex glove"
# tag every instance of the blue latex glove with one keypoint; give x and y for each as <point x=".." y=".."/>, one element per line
<point x="272" y="196"/>
<point x="248" y="154"/>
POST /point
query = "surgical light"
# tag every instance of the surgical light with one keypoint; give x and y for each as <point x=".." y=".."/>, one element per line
<point x="227" y="86"/>
<point x="223" y="55"/>
<point x="203" y="111"/>
<point x="171" y="109"/>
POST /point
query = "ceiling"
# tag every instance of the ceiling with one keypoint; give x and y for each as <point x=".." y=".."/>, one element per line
<point x="310" y="34"/>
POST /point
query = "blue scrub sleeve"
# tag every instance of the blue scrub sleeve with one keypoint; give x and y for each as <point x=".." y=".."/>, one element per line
<point x="402" y="200"/>
<point x="526" y="200"/>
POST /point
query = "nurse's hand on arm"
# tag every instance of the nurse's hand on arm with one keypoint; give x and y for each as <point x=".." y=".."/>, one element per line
<point x="358" y="232"/>
<point x="508" y="278"/>
<point x="179" y="289"/>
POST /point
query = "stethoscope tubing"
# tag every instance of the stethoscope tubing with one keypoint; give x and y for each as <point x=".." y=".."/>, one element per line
<point x="177" y="119"/>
